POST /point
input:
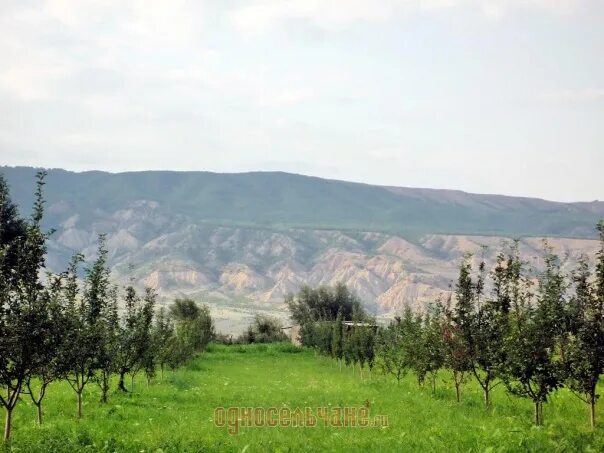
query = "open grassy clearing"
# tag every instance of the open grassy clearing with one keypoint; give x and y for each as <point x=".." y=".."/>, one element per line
<point x="177" y="414"/>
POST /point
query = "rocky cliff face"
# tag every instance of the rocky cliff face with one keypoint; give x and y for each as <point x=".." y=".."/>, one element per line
<point x="260" y="267"/>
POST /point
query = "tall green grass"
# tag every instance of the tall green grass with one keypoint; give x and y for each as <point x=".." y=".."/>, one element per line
<point x="177" y="414"/>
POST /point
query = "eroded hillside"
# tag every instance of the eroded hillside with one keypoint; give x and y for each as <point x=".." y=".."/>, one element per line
<point x="242" y="242"/>
<point x="222" y="263"/>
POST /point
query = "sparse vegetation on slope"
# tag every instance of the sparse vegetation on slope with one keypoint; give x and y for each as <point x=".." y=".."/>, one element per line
<point x="276" y="200"/>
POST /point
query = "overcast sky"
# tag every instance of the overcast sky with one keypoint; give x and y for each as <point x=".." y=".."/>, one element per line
<point x="488" y="96"/>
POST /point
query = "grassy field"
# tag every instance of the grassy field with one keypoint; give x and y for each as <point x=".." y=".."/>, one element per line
<point x="177" y="414"/>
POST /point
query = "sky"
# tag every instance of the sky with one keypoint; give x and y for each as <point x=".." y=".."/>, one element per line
<point x="486" y="96"/>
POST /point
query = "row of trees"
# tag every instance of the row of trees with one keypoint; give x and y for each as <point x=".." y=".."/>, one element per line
<point x="532" y="332"/>
<point x="68" y="326"/>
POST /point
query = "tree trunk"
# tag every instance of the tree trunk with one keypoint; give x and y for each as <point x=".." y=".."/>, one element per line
<point x="457" y="382"/>
<point x="11" y="402"/>
<point x="121" y="385"/>
<point x="40" y="414"/>
<point x="8" y="423"/>
<point x="79" y="393"/>
<point x="485" y="384"/>
<point x="105" y="387"/>
<point x="433" y="384"/>
<point x="38" y="402"/>
<point x="538" y="419"/>
<point x="592" y="408"/>
<point x="132" y="383"/>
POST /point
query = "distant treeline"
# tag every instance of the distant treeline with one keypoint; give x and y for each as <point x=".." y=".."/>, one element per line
<point x="68" y="326"/>
<point x="534" y="332"/>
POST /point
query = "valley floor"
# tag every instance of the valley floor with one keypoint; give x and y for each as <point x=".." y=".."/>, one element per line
<point x="177" y="414"/>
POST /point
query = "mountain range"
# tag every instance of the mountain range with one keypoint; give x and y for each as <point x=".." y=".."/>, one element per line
<point x="241" y="242"/>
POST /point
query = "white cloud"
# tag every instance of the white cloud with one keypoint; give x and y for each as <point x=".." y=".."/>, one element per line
<point x="284" y="97"/>
<point x="587" y="95"/>
<point x="154" y="22"/>
<point x="261" y="15"/>
<point x="31" y="73"/>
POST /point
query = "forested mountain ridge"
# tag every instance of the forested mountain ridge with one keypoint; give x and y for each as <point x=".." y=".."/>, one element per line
<point x="282" y="200"/>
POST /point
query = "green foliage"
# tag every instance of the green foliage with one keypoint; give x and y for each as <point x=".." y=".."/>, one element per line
<point x="162" y="336"/>
<point x="264" y="329"/>
<point x="321" y="312"/>
<point x="584" y="354"/>
<point x="391" y="356"/>
<point x="108" y="326"/>
<point x="482" y="325"/>
<point x="324" y="304"/>
<point x="89" y="314"/>
<point x="337" y="338"/>
<point x="367" y="346"/>
<point x="136" y="348"/>
<point x="24" y="302"/>
<point x="457" y="357"/>
<point x="198" y="331"/>
<point x="184" y="309"/>
<point x="431" y="356"/>
<point x="193" y="331"/>
<point x="318" y="335"/>
<point x="533" y="364"/>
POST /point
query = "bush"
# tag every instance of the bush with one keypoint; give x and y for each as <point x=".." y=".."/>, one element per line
<point x="223" y="338"/>
<point x="264" y="329"/>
